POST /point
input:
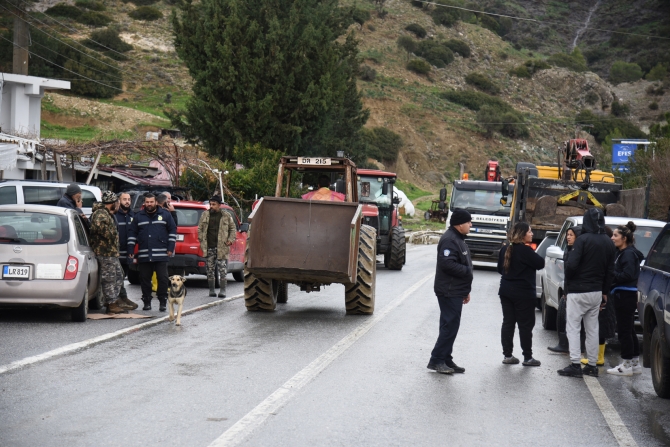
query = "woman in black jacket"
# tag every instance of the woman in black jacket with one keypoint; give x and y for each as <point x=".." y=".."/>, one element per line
<point x="517" y="264"/>
<point x="624" y="297"/>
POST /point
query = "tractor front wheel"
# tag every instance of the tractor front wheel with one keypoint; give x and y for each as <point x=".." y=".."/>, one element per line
<point x="397" y="256"/>
<point x="360" y="296"/>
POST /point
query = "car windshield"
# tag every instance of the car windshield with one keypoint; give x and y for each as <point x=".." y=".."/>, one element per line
<point x="645" y="237"/>
<point x="370" y="190"/>
<point x="24" y="227"/>
<point x="479" y="200"/>
<point x="188" y="217"/>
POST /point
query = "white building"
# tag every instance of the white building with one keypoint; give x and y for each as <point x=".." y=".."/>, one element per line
<point x="20" y="116"/>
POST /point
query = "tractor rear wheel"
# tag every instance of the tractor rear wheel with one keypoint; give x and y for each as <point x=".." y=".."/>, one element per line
<point x="397" y="256"/>
<point x="282" y="292"/>
<point x="360" y="296"/>
<point x="259" y="294"/>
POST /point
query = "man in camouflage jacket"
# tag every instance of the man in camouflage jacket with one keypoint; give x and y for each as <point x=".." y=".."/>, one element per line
<point x="105" y="244"/>
<point x="216" y="233"/>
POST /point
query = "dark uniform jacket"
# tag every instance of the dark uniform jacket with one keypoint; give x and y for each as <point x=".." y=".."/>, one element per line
<point x="104" y="236"/>
<point x="590" y="264"/>
<point x="124" y="220"/>
<point x="156" y="234"/>
<point x="453" y="275"/>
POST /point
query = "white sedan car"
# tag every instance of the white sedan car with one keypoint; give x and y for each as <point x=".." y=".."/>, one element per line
<point x="46" y="260"/>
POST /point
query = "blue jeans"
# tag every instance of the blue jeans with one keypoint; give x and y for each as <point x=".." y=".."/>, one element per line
<point x="450" y="322"/>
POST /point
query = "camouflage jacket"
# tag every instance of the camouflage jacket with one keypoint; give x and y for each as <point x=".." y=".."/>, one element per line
<point x="104" y="235"/>
<point x="227" y="233"/>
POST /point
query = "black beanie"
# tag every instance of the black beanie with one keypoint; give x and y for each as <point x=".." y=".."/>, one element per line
<point x="459" y="216"/>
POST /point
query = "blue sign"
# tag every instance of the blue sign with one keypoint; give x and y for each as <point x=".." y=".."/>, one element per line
<point x="621" y="153"/>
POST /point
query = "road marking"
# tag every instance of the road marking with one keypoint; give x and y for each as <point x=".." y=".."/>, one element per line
<point x="619" y="430"/>
<point x="67" y="349"/>
<point x="273" y="403"/>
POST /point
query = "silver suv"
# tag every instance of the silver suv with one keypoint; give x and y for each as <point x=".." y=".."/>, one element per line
<point x="553" y="275"/>
<point x="36" y="192"/>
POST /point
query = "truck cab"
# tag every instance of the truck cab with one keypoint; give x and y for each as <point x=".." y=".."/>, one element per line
<point x="654" y="310"/>
<point x="489" y="217"/>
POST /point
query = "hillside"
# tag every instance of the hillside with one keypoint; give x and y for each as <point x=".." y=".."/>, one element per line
<point x="437" y="132"/>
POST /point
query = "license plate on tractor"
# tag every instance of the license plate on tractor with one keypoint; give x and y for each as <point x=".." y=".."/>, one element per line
<point x="314" y="161"/>
<point x="15" y="272"/>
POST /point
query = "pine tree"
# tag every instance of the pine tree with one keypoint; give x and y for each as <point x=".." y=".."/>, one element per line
<point x="271" y="72"/>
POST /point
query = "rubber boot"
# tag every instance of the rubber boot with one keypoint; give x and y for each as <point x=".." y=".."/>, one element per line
<point x="222" y="290"/>
<point x="147" y="303"/>
<point x="562" y="345"/>
<point x="601" y="357"/>
<point x="212" y="290"/>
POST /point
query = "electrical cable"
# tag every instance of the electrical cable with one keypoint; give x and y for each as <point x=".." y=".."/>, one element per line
<point x="67" y="69"/>
<point x="64" y="43"/>
<point x="72" y="30"/>
<point x="541" y="21"/>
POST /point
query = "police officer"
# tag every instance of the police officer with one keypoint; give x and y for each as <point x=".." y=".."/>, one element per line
<point x="216" y="232"/>
<point x="105" y="244"/>
<point x="124" y="217"/>
<point x="154" y="230"/>
<point x="453" y="282"/>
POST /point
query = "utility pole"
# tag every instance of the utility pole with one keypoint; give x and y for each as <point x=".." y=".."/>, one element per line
<point x="21" y="42"/>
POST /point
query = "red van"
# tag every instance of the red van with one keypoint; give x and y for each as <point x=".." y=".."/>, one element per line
<point x="189" y="258"/>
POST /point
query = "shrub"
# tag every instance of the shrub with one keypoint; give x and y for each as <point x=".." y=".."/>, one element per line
<point x="620" y="109"/>
<point x="505" y="26"/>
<point x="458" y="46"/>
<point x="361" y="16"/>
<point x="476" y="100"/>
<point x="520" y="71"/>
<point x="604" y="125"/>
<point x="64" y="10"/>
<point x="93" y="18"/>
<point x="574" y="61"/>
<point x="535" y="65"/>
<point x="417" y="29"/>
<point x="383" y="144"/>
<point x="408" y="44"/>
<point x="592" y="98"/>
<point x="107" y="39"/>
<point x="92" y="5"/>
<point x="624" y="72"/>
<point x="418" y="66"/>
<point x="513" y="125"/>
<point x="489" y="22"/>
<point x="658" y="73"/>
<point x="371" y="27"/>
<point x="593" y="56"/>
<point x="653" y="106"/>
<point x="482" y="82"/>
<point x="655" y="90"/>
<point x="148" y="13"/>
<point x="141" y="2"/>
<point x="367" y="73"/>
<point x="444" y="16"/>
<point x="416" y="3"/>
<point x="490" y="120"/>
<point x="439" y="56"/>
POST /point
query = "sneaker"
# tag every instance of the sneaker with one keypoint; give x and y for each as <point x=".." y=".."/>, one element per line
<point x="590" y="371"/>
<point x="510" y="361"/>
<point x="531" y="362"/>
<point x="442" y="368"/>
<point x="455" y="367"/>
<point x="572" y="370"/>
<point x="637" y="366"/>
<point x="625" y="369"/>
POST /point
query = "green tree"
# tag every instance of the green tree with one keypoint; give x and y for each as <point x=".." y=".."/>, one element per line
<point x="658" y="73"/>
<point x="274" y="73"/>
<point x="624" y="72"/>
<point x="490" y="120"/>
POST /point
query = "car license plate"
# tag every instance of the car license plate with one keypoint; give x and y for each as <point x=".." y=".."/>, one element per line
<point x="180" y="237"/>
<point x="314" y="161"/>
<point x="15" y="271"/>
<point x="481" y="230"/>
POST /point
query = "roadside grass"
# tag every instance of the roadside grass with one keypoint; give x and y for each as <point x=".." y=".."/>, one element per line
<point x="412" y="192"/>
<point x="417" y="223"/>
<point x="82" y="133"/>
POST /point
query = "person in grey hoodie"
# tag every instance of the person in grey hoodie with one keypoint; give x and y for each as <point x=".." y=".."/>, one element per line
<point x="588" y="276"/>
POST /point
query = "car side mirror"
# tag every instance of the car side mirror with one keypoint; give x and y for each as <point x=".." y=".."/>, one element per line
<point x="244" y="227"/>
<point x="505" y="188"/>
<point x="555" y="252"/>
<point x="385" y="188"/>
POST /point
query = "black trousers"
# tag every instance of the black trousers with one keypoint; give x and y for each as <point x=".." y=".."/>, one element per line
<point x="146" y="270"/>
<point x="450" y="322"/>
<point x="625" y="304"/>
<point x="517" y="311"/>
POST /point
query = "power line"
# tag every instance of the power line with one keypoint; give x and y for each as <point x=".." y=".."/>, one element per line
<point x="72" y="30"/>
<point x="541" y="21"/>
<point x="67" y="69"/>
<point x="64" y="43"/>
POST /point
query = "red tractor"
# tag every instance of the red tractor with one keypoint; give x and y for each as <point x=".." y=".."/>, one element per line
<point x="375" y="194"/>
<point x="492" y="173"/>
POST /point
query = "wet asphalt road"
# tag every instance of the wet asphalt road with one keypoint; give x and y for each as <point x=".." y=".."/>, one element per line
<point x="186" y="386"/>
